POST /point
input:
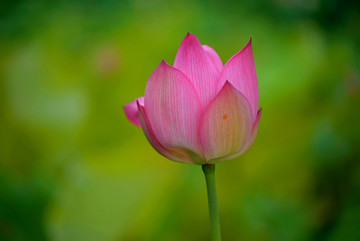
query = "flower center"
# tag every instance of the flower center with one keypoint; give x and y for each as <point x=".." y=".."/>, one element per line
<point x="225" y="116"/>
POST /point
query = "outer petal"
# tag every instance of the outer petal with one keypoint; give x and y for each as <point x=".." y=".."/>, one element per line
<point x="226" y="124"/>
<point x="240" y="71"/>
<point x="253" y="133"/>
<point x="131" y="111"/>
<point x="175" y="154"/>
<point x="173" y="108"/>
<point x="249" y="142"/>
<point x="195" y="63"/>
<point x="214" y="57"/>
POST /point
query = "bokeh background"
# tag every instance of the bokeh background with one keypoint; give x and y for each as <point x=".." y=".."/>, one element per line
<point x="72" y="167"/>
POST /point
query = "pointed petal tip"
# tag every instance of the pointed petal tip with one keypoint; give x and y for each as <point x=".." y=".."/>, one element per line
<point x="163" y="66"/>
<point x="190" y="38"/>
<point x="248" y="45"/>
<point x="189" y="35"/>
<point x="163" y="63"/>
<point x="131" y="110"/>
<point x="228" y="84"/>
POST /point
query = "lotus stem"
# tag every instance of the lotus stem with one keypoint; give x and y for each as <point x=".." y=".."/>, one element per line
<point x="209" y="171"/>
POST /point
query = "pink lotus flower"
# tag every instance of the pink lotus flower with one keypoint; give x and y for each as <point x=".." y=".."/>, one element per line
<point x="200" y="111"/>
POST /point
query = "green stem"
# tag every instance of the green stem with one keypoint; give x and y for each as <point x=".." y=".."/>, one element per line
<point x="209" y="171"/>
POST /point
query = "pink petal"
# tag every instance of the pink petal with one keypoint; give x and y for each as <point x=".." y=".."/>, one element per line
<point x="240" y="72"/>
<point x="198" y="66"/>
<point x="226" y="124"/>
<point x="248" y="144"/>
<point x="173" y="108"/>
<point x="214" y="57"/>
<point x="131" y="111"/>
<point x="253" y="133"/>
<point x="177" y="155"/>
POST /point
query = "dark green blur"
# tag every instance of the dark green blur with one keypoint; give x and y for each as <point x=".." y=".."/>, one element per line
<point x="72" y="167"/>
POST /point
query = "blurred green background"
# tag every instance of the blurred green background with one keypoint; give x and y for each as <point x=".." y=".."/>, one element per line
<point x="73" y="168"/>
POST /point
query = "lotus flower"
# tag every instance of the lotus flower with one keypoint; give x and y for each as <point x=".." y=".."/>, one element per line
<point x="200" y="111"/>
